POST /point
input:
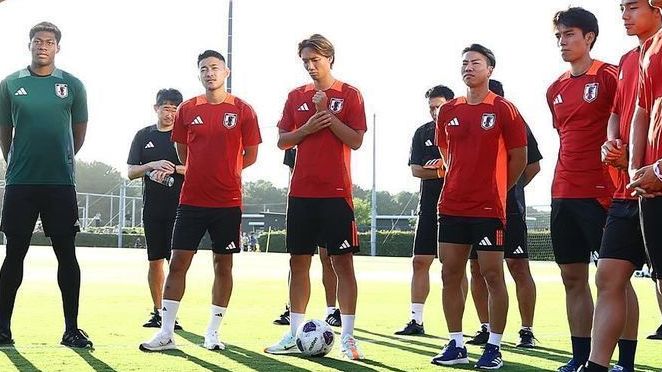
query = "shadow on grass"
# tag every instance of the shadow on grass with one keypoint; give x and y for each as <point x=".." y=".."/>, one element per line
<point x="414" y="340"/>
<point x="263" y="362"/>
<point x="19" y="361"/>
<point x="202" y="363"/>
<point x="94" y="362"/>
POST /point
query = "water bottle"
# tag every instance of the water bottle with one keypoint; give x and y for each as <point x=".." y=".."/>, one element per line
<point x="168" y="181"/>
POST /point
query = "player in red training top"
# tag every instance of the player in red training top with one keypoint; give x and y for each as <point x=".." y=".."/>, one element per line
<point x="580" y="102"/>
<point x="325" y="120"/>
<point x="216" y="135"/>
<point x="646" y="150"/>
<point x="616" y="317"/>
<point x="482" y="139"/>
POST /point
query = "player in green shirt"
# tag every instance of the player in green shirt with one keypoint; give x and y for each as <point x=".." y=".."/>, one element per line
<point x="43" y="119"/>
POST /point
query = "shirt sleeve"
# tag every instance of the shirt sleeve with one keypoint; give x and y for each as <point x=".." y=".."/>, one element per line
<point x="5" y="105"/>
<point x="514" y="128"/>
<point x="180" y="127"/>
<point x="611" y="81"/>
<point x="356" y="112"/>
<point x="250" y="130"/>
<point x="642" y="101"/>
<point x="135" y="152"/>
<point x="286" y="122"/>
<point x="440" y="139"/>
<point x="416" y="150"/>
<point x="79" y="106"/>
<point x="550" y="103"/>
<point x="532" y="152"/>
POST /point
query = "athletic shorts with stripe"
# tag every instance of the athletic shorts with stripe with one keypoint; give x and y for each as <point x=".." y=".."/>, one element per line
<point x="485" y="233"/>
<point x="516" y="245"/>
<point x="650" y="211"/>
<point x="327" y="222"/>
<point x="576" y="229"/>
<point x="223" y="225"/>
<point x="622" y="239"/>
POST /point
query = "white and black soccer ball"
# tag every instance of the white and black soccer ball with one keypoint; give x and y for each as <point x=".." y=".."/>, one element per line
<point x="314" y="338"/>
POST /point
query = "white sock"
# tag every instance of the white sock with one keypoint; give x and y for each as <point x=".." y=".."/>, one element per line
<point x="458" y="337"/>
<point x="295" y="321"/>
<point x="347" y="325"/>
<point x="160" y="312"/>
<point x="525" y="328"/>
<point x="495" y="339"/>
<point x="217" y="314"/>
<point x="330" y="310"/>
<point x="417" y="313"/>
<point x="487" y="326"/>
<point x="169" y="315"/>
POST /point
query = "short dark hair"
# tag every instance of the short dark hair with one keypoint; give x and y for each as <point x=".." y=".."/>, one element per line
<point x="491" y="60"/>
<point x="320" y="45"/>
<point x="46" y="27"/>
<point x="210" y="53"/>
<point x="169" y="95"/>
<point x="496" y="87"/>
<point x="580" y="18"/>
<point x="440" y="91"/>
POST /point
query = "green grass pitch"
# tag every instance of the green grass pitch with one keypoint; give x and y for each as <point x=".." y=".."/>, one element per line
<point x="115" y="302"/>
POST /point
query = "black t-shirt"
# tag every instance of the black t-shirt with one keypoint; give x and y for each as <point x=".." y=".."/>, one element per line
<point x="423" y="150"/>
<point x="148" y="145"/>
<point x="515" y="202"/>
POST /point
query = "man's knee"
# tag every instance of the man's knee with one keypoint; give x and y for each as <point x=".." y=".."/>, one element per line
<point x="422" y="263"/>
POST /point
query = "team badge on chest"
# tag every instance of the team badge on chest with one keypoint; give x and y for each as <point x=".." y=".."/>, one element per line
<point x="230" y="120"/>
<point x="488" y="121"/>
<point x="590" y="92"/>
<point x="61" y="90"/>
<point x="335" y="104"/>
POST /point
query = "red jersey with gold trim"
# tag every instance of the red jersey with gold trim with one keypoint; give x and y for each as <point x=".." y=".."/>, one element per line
<point x="477" y="139"/>
<point x="650" y="95"/>
<point x="624" y="105"/>
<point x="216" y="135"/>
<point x="581" y="106"/>
<point x="322" y="165"/>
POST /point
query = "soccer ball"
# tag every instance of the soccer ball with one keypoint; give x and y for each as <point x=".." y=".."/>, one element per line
<point x="314" y="338"/>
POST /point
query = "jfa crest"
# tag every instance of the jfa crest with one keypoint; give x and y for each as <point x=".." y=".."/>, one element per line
<point x="61" y="90"/>
<point x="488" y="121"/>
<point x="590" y="92"/>
<point x="335" y="105"/>
<point x="230" y="120"/>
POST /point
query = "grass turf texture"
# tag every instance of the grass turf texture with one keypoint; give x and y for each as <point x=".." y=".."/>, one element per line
<point x="115" y="302"/>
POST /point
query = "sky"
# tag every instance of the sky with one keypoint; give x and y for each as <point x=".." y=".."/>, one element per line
<point x="392" y="51"/>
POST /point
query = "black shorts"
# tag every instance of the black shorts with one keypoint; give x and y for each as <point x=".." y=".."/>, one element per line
<point x="325" y="222"/>
<point x="650" y="211"/>
<point x="223" y="225"/>
<point x="425" y="238"/>
<point x="576" y="229"/>
<point x="515" y="238"/>
<point x="158" y="234"/>
<point x="622" y="239"/>
<point x="55" y="205"/>
<point x="485" y="233"/>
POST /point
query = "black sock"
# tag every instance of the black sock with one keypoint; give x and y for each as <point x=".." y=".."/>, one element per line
<point x="593" y="367"/>
<point x="11" y="276"/>
<point x="626" y="352"/>
<point x="581" y="348"/>
<point x="68" y="278"/>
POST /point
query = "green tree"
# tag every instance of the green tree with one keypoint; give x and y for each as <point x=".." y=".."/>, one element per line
<point x="362" y="214"/>
<point x="260" y="195"/>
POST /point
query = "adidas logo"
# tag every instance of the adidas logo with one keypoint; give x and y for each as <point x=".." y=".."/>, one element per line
<point x="518" y="250"/>
<point x="149" y="145"/>
<point x="197" y="121"/>
<point x="345" y="245"/>
<point x="428" y="143"/>
<point x="454" y="122"/>
<point x="558" y="99"/>
<point x="485" y="241"/>
<point x="230" y="246"/>
<point x="303" y="107"/>
<point x="220" y="315"/>
<point x="21" y="92"/>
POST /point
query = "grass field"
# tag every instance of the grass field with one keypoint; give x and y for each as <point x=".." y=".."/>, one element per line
<point x="115" y="302"/>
